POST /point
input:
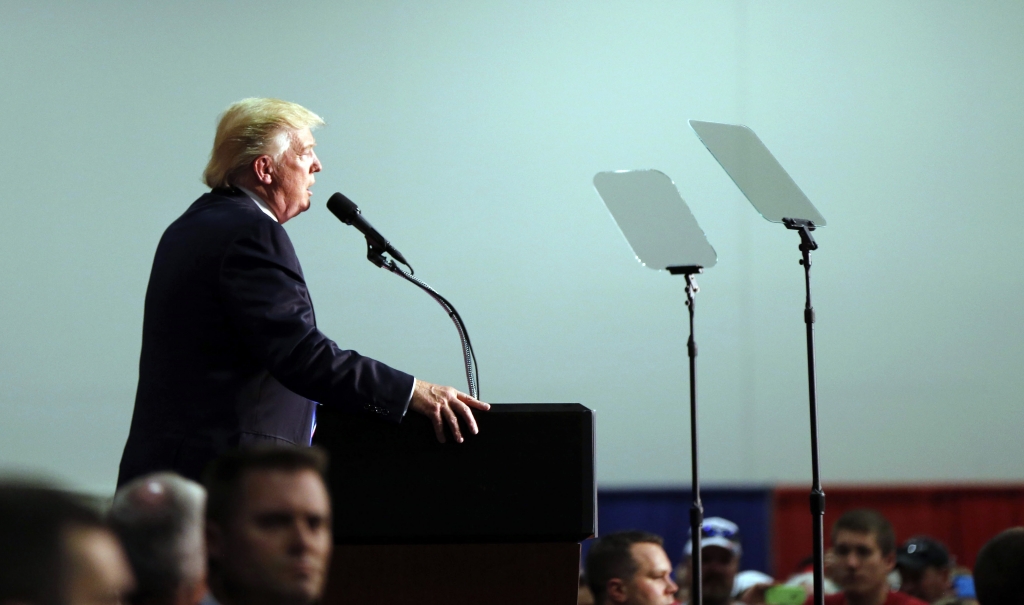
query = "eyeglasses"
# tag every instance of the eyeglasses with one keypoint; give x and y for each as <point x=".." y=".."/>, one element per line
<point x="717" y="531"/>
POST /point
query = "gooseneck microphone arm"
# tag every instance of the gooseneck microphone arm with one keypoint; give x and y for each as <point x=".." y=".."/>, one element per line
<point x="376" y="257"/>
<point x="376" y="248"/>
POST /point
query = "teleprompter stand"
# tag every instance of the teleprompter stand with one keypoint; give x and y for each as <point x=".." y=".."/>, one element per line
<point x="807" y="244"/>
<point x="774" y="194"/>
<point x="664" y="235"/>
<point x="696" y="507"/>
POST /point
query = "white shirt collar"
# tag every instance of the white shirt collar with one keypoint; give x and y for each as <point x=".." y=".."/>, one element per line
<point x="259" y="202"/>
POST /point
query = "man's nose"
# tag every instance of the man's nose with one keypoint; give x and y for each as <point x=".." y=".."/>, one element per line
<point x="303" y="538"/>
<point x="316" y="167"/>
<point x="673" y="588"/>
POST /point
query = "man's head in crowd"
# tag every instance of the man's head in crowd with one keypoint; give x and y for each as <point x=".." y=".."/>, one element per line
<point x="159" y="519"/>
<point x="720" y="559"/>
<point x="268" y="526"/>
<point x="55" y="550"/>
<point x="924" y="568"/>
<point x="999" y="569"/>
<point x="864" y="547"/>
<point x="630" y="568"/>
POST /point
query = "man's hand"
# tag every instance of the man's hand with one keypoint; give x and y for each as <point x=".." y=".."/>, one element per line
<point x="445" y="404"/>
<point x="755" y="594"/>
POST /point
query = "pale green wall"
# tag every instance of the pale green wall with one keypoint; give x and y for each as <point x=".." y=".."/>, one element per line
<point x="469" y="132"/>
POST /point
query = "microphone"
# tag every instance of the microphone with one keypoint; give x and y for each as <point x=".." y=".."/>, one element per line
<point x="348" y="213"/>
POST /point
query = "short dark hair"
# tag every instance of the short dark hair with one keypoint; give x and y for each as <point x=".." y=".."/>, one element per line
<point x="34" y="521"/>
<point x="867" y="521"/>
<point x="997" y="571"/>
<point x="223" y="477"/>
<point x="610" y="557"/>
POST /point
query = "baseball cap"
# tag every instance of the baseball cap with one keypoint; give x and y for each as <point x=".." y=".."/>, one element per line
<point x="920" y="552"/>
<point x="716" y="531"/>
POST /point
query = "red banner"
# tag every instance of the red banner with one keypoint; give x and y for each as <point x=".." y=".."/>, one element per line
<point x="964" y="518"/>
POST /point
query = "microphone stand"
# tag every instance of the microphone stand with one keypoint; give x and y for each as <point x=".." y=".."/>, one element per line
<point x="696" y="508"/>
<point x="817" y="500"/>
<point x="375" y="255"/>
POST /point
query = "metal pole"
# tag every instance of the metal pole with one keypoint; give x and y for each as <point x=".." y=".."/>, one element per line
<point x="697" y="508"/>
<point x="817" y="498"/>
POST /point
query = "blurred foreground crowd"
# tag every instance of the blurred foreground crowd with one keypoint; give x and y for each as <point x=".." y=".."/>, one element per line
<point x="257" y="532"/>
<point x="863" y="566"/>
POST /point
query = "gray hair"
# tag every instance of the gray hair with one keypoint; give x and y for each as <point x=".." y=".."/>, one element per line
<point x="159" y="518"/>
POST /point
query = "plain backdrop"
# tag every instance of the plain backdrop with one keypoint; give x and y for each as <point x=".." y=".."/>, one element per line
<point x="469" y="133"/>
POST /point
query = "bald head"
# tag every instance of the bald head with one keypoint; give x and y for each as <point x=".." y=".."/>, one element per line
<point x="159" y="519"/>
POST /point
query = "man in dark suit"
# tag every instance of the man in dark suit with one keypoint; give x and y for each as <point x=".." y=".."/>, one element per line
<point x="230" y="350"/>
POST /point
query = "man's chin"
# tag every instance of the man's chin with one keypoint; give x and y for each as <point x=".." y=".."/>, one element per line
<point x="283" y="591"/>
<point x="717" y="593"/>
<point x="300" y="593"/>
<point x="857" y="588"/>
<point x="299" y="209"/>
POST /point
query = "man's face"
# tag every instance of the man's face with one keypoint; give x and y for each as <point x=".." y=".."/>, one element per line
<point x="929" y="584"/>
<point x="277" y="545"/>
<point x="293" y="176"/>
<point x="652" y="584"/>
<point x="718" y="571"/>
<point x="860" y="566"/>
<point x="98" y="572"/>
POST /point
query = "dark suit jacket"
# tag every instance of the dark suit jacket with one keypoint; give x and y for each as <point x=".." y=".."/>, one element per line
<point x="230" y="349"/>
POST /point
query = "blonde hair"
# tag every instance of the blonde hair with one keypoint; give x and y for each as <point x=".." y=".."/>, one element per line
<point x="250" y="128"/>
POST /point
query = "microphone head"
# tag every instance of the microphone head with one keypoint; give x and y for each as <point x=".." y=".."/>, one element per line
<point x="343" y="208"/>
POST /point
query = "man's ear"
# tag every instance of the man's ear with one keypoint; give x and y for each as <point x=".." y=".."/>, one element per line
<point x="890" y="561"/>
<point x="263" y="168"/>
<point x="617" y="591"/>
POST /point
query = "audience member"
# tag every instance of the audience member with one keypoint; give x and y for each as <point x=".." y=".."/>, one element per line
<point x="864" y="547"/>
<point x="630" y="568"/>
<point x="159" y="518"/>
<point x="721" y="580"/>
<point x="924" y="567"/>
<point x="55" y="550"/>
<point x="804" y="576"/>
<point x="268" y="526"/>
<point x="750" y="582"/>
<point x="998" y="577"/>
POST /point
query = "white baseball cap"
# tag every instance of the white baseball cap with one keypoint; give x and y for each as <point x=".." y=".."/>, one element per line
<point x="716" y="531"/>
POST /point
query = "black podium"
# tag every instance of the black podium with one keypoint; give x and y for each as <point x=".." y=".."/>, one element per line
<point x="497" y="519"/>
